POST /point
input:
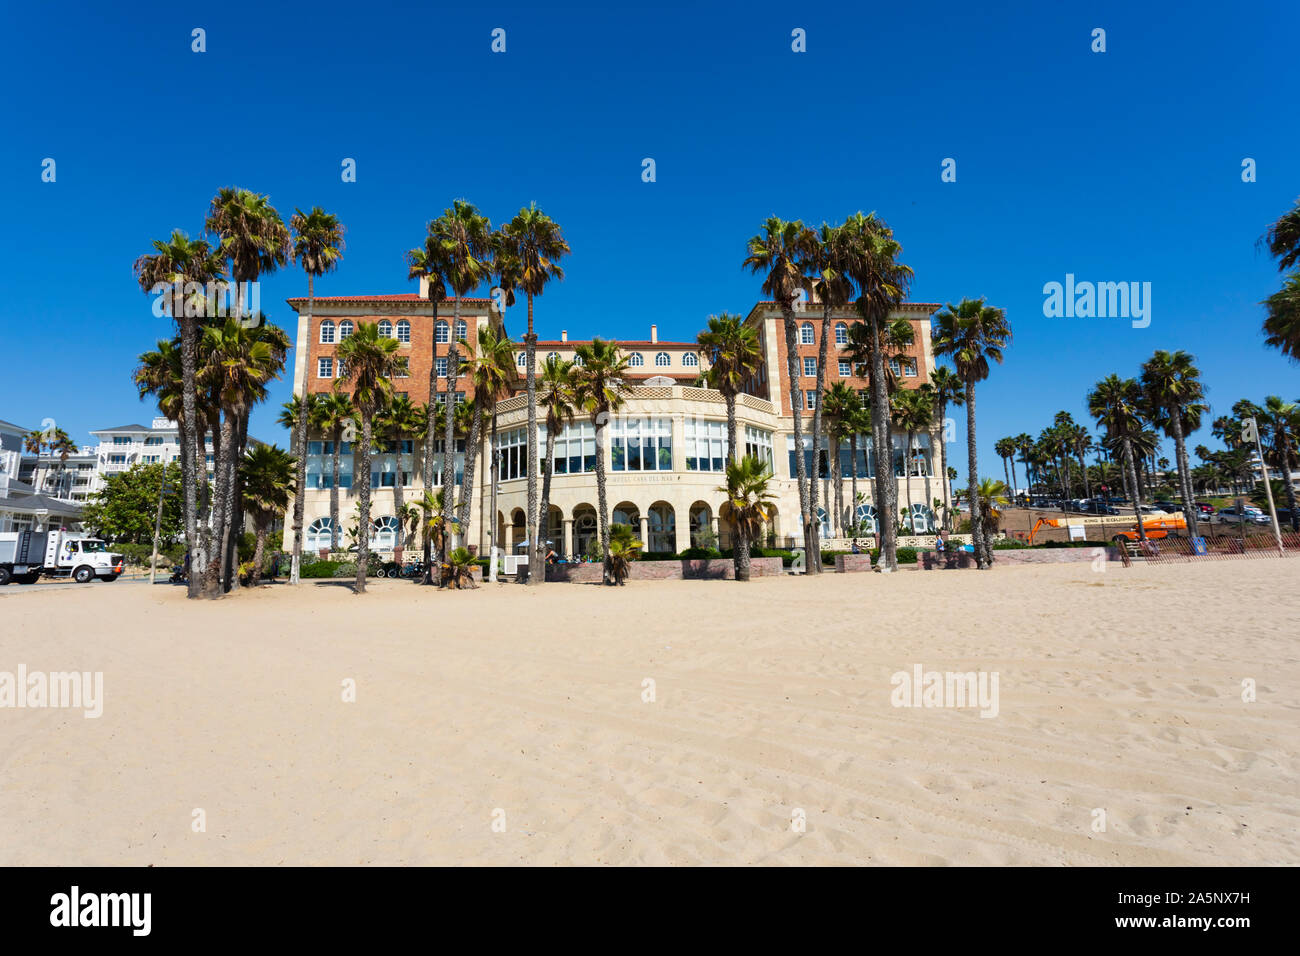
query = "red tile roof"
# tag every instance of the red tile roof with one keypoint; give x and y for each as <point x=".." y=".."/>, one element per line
<point x="393" y="297"/>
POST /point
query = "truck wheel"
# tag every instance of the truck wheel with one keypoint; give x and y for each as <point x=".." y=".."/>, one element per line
<point x="109" y="577"/>
<point x="30" y="578"/>
<point x="5" y="575"/>
<point x="83" y="574"/>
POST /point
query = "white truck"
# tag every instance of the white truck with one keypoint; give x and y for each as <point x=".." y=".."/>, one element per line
<point x="26" y="555"/>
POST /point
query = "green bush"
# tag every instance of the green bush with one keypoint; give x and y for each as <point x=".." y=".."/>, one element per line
<point x="828" y="557"/>
<point x="1008" y="545"/>
<point x="700" y="554"/>
<point x="322" y="569"/>
<point x="657" y="556"/>
<point x="905" y="555"/>
<point x="141" y="554"/>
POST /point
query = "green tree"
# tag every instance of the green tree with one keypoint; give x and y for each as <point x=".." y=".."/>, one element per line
<point x="600" y="387"/>
<point x="268" y="473"/>
<point x="734" y="355"/>
<point x="1171" y="381"/>
<point x="748" y="506"/>
<point x="125" y="508"/>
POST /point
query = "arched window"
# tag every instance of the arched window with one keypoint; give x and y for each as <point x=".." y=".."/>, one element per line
<point x="318" y="534"/>
<point x="345" y="329"/>
<point x="806" y="334"/>
<point x="441" y="332"/>
<point x="552" y="355"/>
<point x="662" y="360"/>
<point x="384" y="533"/>
<point x="386" y="328"/>
<point x="579" y="361"/>
<point x="461" y="330"/>
<point x="841" y="334"/>
<point x="522" y="360"/>
<point x="690" y="360"/>
<point x="326" y="332"/>
<point x="635" y="360"/>
<point x="403" y="331"/>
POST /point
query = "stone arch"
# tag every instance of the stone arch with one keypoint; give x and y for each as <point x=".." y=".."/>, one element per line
<point x="661" y="527"/>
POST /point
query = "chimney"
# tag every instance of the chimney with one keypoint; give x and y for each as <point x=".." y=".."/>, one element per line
<point x="564" y="335"/>
<point x="654" y="333"/>
<point x="424" y="287"/>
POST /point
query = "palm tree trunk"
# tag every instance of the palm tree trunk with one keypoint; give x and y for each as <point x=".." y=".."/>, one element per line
<point x="212" y="574"/>
<point x="601" y="500"/>
<point x="1137" y="495"/>
<point x="430" y="438"/>
<point x="943" y="463"/>
<point x="853" y="481"/>
<point x="496" y="477"/>
<point x="742" y="552"/>
<point x="886" y="514"/>
<point x="544" y="513"/>
<point x="730" y="397"/>
<point x="236" y="495"/>
<point x="259" y="553"/>
<point x="1283" y="438"/>
<point x="471" y="459"/>
<point x="363" y="506"/>
<point x="189" y="478"/>
<point x="1087" y="482"/>
<point x="300" y="449"/>
<point x="334" y="490"/>
<point x="837" y="479"/>
<point x="796" y="410"/>
<point x="445" y="543"/>
<point x="1184" y="477"/>
<point x="399" y="498"/>
<point x="907" y="477"/>
<point x="536" y="569"/>
<point x="815" y="566"/>
<point x="976" y="515"/>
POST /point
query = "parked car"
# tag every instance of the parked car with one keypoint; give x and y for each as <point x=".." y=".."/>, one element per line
<point x="1204" y="510"/>
<point x="1246" y="515"/>
<point x="1168" y="507"/>
<point x="1151" y="510"/>
<point x="1099" y="508"/>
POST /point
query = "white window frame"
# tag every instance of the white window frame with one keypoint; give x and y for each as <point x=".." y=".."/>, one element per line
<point x="636" y="360"/>
<point x="404" y="331"/>
<point x="663" y="360"/>
<point x="441" y="333"/>
<point x="809" y="367"/>
<point x="346" y="328"/>
<point x="386" y="328"/>
<point x="807" y="335"/>
<point x="841" y="333"/>
<point x="325" y="366"/>
<point x="327" y="332"/>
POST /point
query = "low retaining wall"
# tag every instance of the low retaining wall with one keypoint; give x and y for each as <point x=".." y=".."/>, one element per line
<point x="847" y="563"/>
<point x="719" y="569"/>
<point x="1051" y="555"/>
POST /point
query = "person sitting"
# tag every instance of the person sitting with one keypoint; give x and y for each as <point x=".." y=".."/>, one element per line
<point x="856" y="549"/>
<point x="551" y="556"/>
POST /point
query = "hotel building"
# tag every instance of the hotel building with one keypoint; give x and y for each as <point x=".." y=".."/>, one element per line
<point x="665" y="448"/>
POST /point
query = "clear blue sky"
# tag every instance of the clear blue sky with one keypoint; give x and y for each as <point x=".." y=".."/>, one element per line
<point x="1122" y="166"/>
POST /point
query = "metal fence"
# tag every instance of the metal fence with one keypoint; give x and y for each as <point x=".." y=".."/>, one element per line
<point x="1217" y="547"/>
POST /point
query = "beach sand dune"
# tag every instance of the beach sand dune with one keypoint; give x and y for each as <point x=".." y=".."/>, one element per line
<point x="1120" y="693"/>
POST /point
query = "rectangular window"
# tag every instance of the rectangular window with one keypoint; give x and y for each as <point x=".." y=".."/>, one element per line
<point x="403" y="367"/>
<point x="575" y="449"/>
<point x="706" y="445"/>
<point x="641" y="444"/>
<point x="894" y="367"/>
<point x="153" y="440"/>
<point x="844" y="369"/>
<point x="909" y="368"/>
<point x="512" y="446"/>
<point x="121" y="440"/>
<point x="441" y="364"/>
<point x="758" y="443"/>
<point x="324" y="367"/>
<point x="812" y="398"/>
<point x="809" y="367"/>
<point x="404" y="331"/>
<point x="121" y="459"/>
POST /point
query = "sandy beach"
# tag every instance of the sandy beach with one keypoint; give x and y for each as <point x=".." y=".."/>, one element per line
<point x="1119" y="692"/>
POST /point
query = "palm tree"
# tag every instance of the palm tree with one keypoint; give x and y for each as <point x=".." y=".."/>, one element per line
<point x="437" y="518"/>
<point x="992" y="494"/>
<point x="948" y="390"/>
<point x="1081" y="442"/>
<point x="1115" y="403"/>
<point x="1006" y="450"/>
<point x="1024" y="444"/>
<point x="296" y="415"/>
<point x="54" y="442"/>
<point x="426" y="263"/>
<point x="857" y="421"/>
<point x="460" y="243"/>
<point x="1283" y="238"/>
<point x="734" y="356"/>
<point x="915" y="414"/>
<point x="840" y="401"/>
<point x="267" y="473"/>
<point x="333" y="412"/>
<point x="239" y="363"/>
<point x="177" y="263"/>
<point x="872" y="262"/>
<point x="825" y="261"/>
<point x="972" y="333"/>
<point x="599" y="389"/>
<point x="1282" y="325"/>
<point x="318" y="248"/>
<point x="532" y="246"/>
<point x="558" y="400"/>
<point x="370" y="362"/>
<point x="491" y="370"/>
<point x="1170" y="381"/>
<point x="748" y="506"/>
<point x="779" y="252"/>
<point x="399" y="421"/>
<point x="1284" y="418"/>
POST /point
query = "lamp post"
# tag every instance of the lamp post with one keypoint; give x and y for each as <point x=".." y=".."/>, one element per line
<point x="1250" y="432"/>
